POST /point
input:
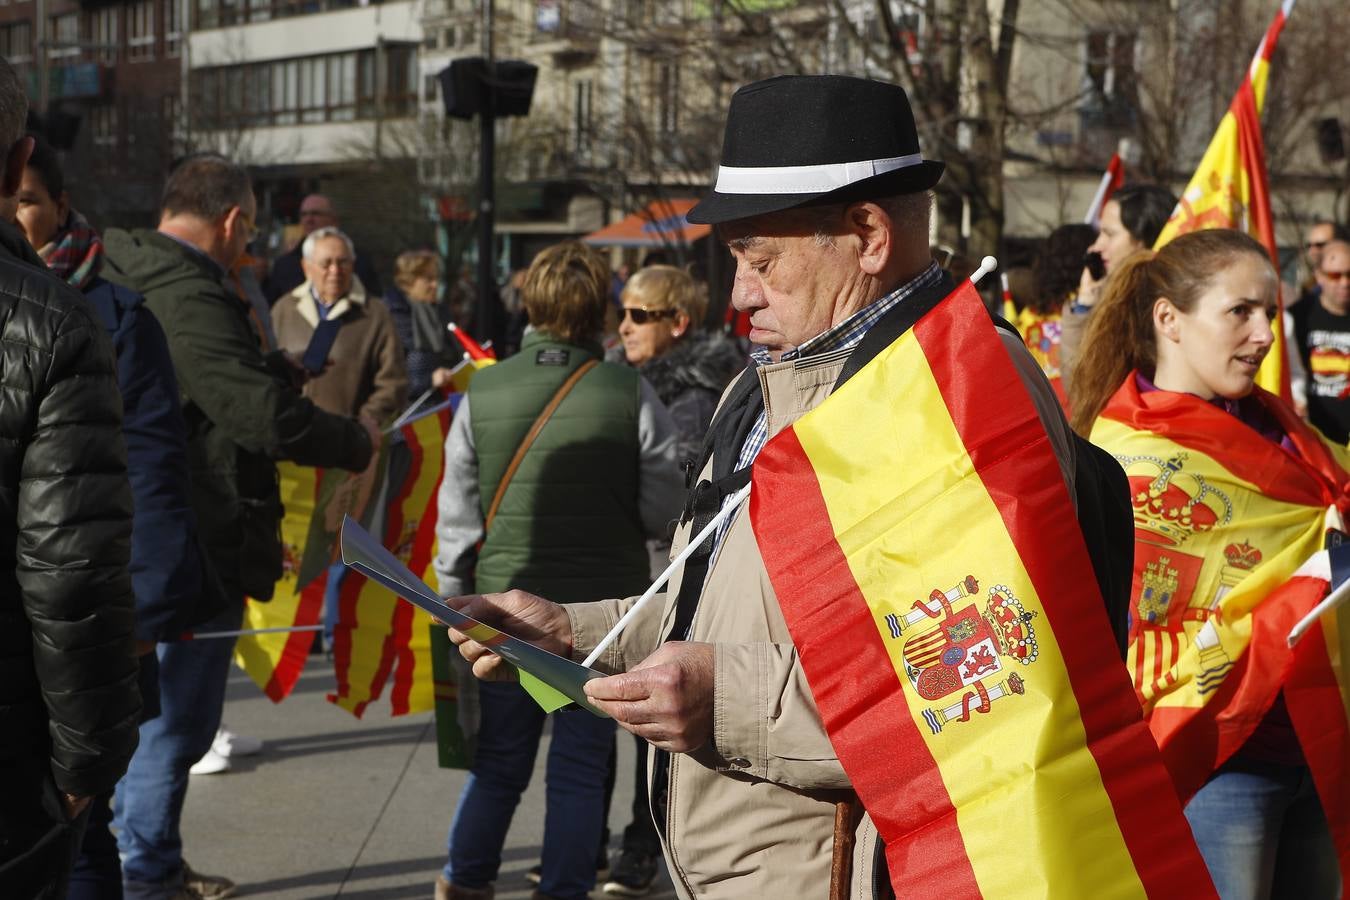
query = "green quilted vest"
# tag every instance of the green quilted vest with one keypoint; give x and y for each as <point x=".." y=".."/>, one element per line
<point x="568" y="527"/>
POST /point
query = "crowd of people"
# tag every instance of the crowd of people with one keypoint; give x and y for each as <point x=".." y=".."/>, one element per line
<point x="149" y="383"/>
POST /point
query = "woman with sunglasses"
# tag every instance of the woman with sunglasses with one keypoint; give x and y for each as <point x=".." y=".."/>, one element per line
<point x="661" y="327"/>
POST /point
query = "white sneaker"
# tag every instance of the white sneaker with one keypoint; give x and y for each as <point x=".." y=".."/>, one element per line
<point x="212" y="763"/>
<point x="229" y="744"/>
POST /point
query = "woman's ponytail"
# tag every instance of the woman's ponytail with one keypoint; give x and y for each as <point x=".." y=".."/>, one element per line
<point x="1119" y="339"/>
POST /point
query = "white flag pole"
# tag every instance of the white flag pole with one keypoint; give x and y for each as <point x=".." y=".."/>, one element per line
<point x="730" y="506"/>
<point x="1336" y="598"/>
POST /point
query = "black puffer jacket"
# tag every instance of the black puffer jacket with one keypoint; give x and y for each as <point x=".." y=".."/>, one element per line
<point x="67" y="667"/>
<point x="689" y="378"/>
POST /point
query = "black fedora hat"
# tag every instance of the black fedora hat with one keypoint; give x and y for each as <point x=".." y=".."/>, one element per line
<point x="799" y="140"/>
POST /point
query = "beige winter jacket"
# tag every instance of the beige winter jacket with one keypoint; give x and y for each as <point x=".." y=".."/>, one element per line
<point x="752" y="814"/>
<point x="367" y="374"/>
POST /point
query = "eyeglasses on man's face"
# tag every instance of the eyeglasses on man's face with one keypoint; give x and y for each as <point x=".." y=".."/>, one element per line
<point x="1336" y="277"/>
<point x="1315" y="245"/>
<point x="342" y="262"/>
<point x="641" y="315"/>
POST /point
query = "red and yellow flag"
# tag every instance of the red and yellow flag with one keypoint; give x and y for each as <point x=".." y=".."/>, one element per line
<point x="274" y="661"/>
<point x="1230" y="188"/>
<point x="1042" y="332"/>
<point x="1225" y="520"/>
<point x="925" y="551"/>
<point x="380" y="639"/>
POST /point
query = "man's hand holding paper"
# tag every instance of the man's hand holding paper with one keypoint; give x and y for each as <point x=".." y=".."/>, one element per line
<point x="534" y="619"/>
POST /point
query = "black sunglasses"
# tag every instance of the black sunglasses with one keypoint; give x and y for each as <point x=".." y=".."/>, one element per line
<point x="641" y="316"/>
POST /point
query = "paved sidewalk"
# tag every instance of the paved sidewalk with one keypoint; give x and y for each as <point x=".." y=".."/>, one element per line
<point x="340" y="807"/>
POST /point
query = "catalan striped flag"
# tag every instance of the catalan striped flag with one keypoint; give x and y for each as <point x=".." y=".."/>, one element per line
<point x="380" y="640"/>
<point x="925" y="551"/>
<point x="1226" y="522"/>
<point x="1231" y="189"/>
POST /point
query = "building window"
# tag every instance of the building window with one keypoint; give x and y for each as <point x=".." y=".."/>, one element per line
<point x="338" y="87"/>
<point x="104" y="124"/>
<point x="16" y="41"/>
<point x="141" y="31"/>
<point x="173" y="28"/>
<point x="582" y="121"/>
<point x="1109" y="79"/>
<point x="63" y="35"/>
<point x="103" y="32"/>
<point x="668" y="98"/>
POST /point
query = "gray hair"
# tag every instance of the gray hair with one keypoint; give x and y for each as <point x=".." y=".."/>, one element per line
<point x="318" y="234"/>
<point x="909" y="212"/>
<point x="13" y="107"/>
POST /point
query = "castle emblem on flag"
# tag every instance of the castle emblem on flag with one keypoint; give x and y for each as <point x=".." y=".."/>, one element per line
<point x="956" y="652"/>
<point x="290" y="560"/>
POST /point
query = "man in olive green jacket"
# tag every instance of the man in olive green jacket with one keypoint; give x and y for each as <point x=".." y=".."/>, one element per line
<point x="243" y="410"/>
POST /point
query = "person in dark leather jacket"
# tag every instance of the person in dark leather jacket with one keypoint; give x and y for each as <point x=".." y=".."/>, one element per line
<point x="69" y="701"/>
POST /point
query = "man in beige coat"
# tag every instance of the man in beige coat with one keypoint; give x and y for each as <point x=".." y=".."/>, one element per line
<point x="822" y="199"/>
<point x="366" y="377"/>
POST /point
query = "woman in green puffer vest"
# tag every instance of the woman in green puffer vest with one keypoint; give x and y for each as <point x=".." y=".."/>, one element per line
<point x="599" y="478"/>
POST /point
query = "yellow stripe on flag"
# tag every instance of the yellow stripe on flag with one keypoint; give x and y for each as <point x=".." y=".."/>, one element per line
<point x="1014" y="827"/>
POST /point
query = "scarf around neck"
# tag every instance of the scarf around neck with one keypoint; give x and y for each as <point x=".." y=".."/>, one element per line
<point x="75" y="253"/>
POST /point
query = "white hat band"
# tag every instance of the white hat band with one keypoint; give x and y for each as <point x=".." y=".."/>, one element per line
<point x="806" y="179"/>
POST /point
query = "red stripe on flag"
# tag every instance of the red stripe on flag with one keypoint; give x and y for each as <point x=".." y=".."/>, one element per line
<point x="403" y="613"/>
<point x="295" y="652"/>
<point x="352" y="583"/>
<point x="1317" y="710"/>
<point x="1000" y="430"/>
<point x="862" y="705"/>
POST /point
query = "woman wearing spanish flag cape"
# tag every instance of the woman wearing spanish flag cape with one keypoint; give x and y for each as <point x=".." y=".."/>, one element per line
<point x="1232" y="494"/>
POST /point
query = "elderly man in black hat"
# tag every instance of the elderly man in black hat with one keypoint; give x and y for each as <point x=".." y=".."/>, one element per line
<point x="822" y="199"/>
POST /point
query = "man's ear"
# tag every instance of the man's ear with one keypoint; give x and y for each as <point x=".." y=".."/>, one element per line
<point x="873" y="229"/>
<point x="15" y="161"/>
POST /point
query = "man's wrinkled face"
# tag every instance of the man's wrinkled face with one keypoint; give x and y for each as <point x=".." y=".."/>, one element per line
<point x="330" y="269"/>
<point x="787" y="279"/>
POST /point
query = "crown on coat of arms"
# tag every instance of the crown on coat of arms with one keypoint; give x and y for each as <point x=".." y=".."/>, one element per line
<point x="1242" y="556"/>
<point x="1011" y="624"/>
<point x="1170" y="503"/>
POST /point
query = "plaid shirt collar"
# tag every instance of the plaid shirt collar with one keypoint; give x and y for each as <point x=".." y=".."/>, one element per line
<point x="849" y="332"/>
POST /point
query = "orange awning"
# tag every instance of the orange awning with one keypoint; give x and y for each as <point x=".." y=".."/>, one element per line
<point x="661" y="223"/>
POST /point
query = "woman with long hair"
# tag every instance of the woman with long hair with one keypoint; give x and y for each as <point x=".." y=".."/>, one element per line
<point x="1227" y="484"/>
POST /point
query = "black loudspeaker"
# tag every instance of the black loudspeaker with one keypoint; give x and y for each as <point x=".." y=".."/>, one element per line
<point x="464" y="87"/>
<point x="1330" y="140"/>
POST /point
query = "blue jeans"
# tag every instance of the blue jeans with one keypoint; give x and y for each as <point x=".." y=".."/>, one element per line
<point x="578" y="758"/>
<point x="148" y="804"/>
<point x="331" y="597"/>
<point x="1262" y="833"/>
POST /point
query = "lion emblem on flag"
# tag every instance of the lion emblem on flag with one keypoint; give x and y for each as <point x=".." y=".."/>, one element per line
<point x="958" y="652"/>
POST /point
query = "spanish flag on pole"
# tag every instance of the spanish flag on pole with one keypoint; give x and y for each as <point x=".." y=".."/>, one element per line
<point x="1229" y="532"/>
<point x="1231" y="189"/>
<point x="380" y="640"/>
<point x="926" y="554"/>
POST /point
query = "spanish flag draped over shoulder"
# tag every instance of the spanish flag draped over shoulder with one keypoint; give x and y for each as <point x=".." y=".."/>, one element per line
<point x="1230" y="188"/>
<point x="379" y="639"/>
<point x="926" y="554"/>
<point x="1229" y="525"/>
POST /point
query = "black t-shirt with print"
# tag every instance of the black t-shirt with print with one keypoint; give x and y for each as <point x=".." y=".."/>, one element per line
<point x="1324" y="343"/>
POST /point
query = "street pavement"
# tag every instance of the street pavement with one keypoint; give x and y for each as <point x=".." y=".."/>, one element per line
<point x="340" y="807"/>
